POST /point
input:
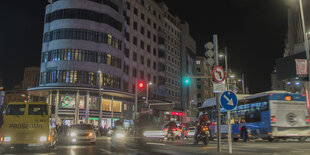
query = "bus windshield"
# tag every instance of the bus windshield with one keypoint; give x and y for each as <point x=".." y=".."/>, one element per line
<point x="37" y="109"/>
<point x="16" y="109"/>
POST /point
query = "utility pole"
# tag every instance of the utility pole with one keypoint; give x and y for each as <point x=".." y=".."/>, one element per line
<point x="136" y="103"/>
<point x="243" y="90"/>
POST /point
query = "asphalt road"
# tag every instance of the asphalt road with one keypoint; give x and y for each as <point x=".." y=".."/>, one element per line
<point x="180" y="147"/>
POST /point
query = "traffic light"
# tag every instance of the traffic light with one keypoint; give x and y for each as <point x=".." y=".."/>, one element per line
<point x="140" y="85"/>
<point x="187" y="81"/>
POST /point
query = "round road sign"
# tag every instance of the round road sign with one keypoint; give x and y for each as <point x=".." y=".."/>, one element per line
<point x="218" y="74"/>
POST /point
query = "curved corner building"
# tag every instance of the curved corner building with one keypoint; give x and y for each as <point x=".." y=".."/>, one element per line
<point x="82" y="52"/>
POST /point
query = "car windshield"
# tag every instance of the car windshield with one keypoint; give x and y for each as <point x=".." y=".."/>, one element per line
<point x="81" y="127"/>
<point x="37" y="109"/>
<point x="16" y="109"/>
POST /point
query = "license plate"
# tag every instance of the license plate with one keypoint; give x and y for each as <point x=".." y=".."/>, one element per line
<point x="34" y="145"/>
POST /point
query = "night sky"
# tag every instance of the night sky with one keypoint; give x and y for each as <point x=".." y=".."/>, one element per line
<point x="253" y="31"/>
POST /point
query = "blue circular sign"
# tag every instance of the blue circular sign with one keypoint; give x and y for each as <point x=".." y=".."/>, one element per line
<point x="229" y="100"/>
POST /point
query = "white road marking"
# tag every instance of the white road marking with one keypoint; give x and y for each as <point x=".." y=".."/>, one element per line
<point x="155" y="143"/>
<point x="106" y="151"/>
<point x="271" y="147"/>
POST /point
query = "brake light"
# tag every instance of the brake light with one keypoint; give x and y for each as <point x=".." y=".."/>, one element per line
<point x="307" y="119"/>
<point x="303" y="95"/>
<point x="174" y="129"/>
<point x="273" y="118"/>
<point x="270" y="94"/>
<point x="165" y="129"/>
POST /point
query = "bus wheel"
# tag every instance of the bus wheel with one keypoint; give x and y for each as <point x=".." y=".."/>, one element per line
<point x="273" y="140"/>
<point x="235" y="139"/>
<point x="302" y="139"/>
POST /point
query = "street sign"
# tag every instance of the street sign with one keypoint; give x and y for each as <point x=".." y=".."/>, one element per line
<point x="228" y="100"/>
<point x="218" y="74"/>
<point x="219" y="87"/>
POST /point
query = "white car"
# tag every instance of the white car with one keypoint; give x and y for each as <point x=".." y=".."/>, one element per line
<point x="176" y="132"/>
<point x="190" y="132"/>
<point x="82" y="133"/>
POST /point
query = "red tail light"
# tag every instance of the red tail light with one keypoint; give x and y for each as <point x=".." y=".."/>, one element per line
<point x="307" y="119"/>
<point x="165" y="129"/>
<point x="273" y="118"/>
<point x="174" y="129"/>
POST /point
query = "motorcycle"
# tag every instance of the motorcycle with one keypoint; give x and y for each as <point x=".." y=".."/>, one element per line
<point x="203" y="135"/>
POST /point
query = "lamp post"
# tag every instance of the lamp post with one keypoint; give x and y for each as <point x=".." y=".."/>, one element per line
<point x="100" y="101"/>
<point x="147" y="93"/>
<point x="306" y="44"/>
<point x="226" y="67"/>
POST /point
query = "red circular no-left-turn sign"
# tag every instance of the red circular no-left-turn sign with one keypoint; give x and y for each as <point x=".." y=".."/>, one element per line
<point x="218" y="74"/>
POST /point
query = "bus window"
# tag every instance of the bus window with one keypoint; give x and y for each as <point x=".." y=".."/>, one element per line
<point x="18" y="109"/>
<point x="37" y="109"/>
<point x="264" y="106"/>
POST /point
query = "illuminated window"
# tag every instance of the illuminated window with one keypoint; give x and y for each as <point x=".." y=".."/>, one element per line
<point x="197" y="62"/>
<point x="108" y="59"/>
<point x="109" y="39"/>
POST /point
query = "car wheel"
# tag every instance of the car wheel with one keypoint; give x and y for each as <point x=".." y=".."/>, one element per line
<point x="235" y="139"/>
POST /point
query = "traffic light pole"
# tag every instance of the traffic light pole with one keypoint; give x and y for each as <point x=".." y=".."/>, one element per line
<point x="218" y="124"/>
<point x="136" y="103"/>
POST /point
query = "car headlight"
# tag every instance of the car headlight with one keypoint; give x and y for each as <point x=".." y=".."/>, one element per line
<point x="72" y="134"/>
<point x="120" y="135"/>
<point x="91" y="134"/>
<point x="43" y="139"/>
<point x="7" y="139"/>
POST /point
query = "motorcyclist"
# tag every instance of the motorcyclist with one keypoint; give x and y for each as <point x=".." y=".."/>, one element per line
<point x="171" y="125"/>
<point x="203" y="118"/>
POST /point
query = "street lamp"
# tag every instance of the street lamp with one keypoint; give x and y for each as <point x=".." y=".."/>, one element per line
<point x="147" y="93"/>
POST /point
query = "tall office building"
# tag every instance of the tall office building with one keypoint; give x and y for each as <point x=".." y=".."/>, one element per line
<point x="31" y="77"/>
<point x="90" y="44"/>
<point x="188" y="55"/>
<point x="83" y="50"/>
<point x="172" y="47"/>
<point x="204" y="85"/>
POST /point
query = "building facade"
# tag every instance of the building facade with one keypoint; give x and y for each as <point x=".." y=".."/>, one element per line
<point x="31" y="77"/>
<point x="105" y="47"/>
<point x="82" y="51"/>
<point x="204" y="84"/>
<point x="188" y="55"/>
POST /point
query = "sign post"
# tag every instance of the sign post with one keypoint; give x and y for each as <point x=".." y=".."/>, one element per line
<point x="229" y="102"/>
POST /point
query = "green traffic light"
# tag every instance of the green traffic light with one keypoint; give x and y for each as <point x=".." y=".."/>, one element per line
<point x="187" y="81"/>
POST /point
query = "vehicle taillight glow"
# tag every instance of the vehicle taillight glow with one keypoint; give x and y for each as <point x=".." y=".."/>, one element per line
<point x="271" y="94"/>
<point x="273" y="118"/>
<point x="174" y="129"/>
<point x="165" y="129"/>
<point x="307" y="119"/>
